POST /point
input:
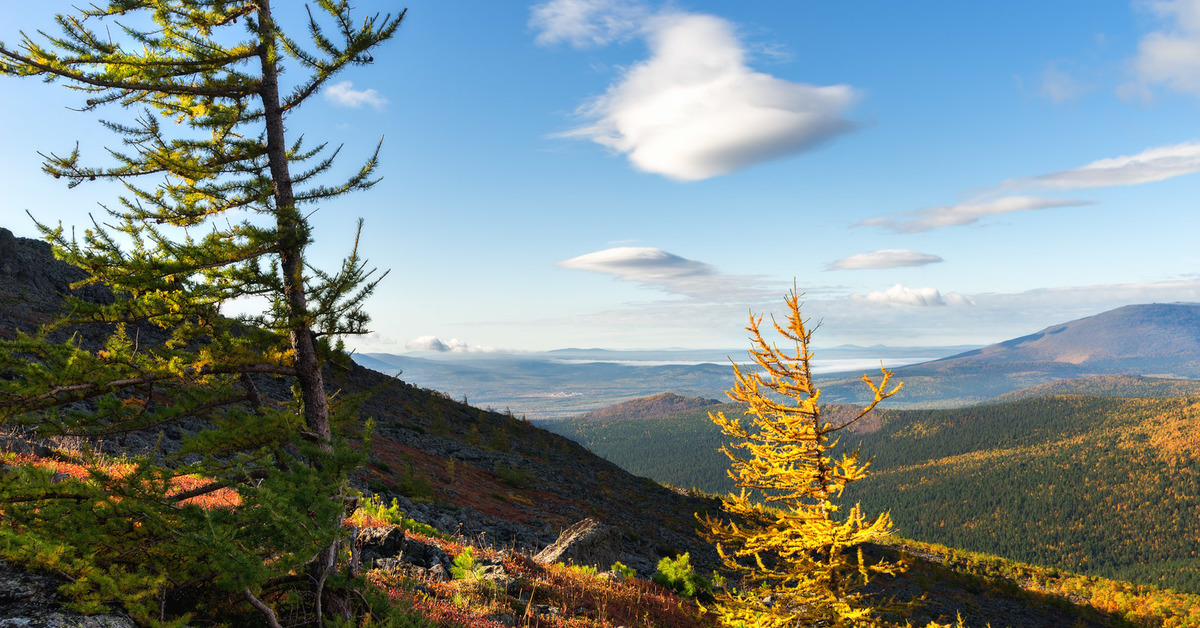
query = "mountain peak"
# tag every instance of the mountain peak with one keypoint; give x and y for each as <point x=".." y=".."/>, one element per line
<point x="1151" y="331"/>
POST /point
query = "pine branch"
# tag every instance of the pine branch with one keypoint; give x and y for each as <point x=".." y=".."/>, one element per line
<point x="155" y="88"/>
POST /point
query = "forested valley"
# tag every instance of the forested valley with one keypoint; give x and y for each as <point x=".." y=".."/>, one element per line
<point x="1101" y="485"/>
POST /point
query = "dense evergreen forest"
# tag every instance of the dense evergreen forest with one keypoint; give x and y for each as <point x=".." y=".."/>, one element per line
<point x="1101" y="485"/>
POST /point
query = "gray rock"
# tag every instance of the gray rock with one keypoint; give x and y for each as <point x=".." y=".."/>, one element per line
<point x="588" y="542"/>
<point x="389" y="544"/>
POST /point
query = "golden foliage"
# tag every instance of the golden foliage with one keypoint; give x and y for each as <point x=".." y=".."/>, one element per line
<point x="789" y="544"/>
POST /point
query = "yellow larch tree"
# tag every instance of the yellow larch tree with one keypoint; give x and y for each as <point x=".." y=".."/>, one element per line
<point x="790" y="547"/>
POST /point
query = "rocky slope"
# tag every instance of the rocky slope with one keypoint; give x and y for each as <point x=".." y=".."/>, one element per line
<point x="482" y="474"/>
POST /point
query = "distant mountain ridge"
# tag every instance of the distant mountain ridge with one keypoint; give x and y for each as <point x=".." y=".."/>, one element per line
<point x="1157" y="339"/>
<point x="1133" y="334"/>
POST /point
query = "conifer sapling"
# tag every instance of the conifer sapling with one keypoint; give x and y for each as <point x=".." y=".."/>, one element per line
<point x="784" y="537"/>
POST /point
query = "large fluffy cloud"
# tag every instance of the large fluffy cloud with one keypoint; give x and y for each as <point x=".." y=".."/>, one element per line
<point x="1169" y="56"/>
<point x="694" y="109"/>
<point x="886" y="258"/>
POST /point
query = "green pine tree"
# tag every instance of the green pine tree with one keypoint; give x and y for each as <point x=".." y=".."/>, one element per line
<point x="217" y="194"/>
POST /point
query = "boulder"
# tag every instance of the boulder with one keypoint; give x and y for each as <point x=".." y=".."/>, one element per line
<point x="588" y="542"/>
<point x="388" y="546"/>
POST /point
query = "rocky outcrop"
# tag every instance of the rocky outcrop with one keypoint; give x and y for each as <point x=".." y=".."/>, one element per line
<point x="588" y="542"/>
<point x="30" y="274"/>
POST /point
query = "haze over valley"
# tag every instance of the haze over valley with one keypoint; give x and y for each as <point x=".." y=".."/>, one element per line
<point x="558" y="384"/>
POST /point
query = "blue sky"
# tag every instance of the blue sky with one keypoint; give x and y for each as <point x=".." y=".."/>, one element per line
<point x="625" y="174"/>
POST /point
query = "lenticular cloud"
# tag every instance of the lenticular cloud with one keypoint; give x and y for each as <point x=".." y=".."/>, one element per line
<point x="694" y="110"/>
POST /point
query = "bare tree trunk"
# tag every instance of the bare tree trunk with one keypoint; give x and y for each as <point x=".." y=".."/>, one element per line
<point x="293" y="234"/>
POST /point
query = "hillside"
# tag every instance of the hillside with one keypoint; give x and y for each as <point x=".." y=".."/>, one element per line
<point x="1094" y="484"/>
<point x="643" y="407"/>
<point x="465" y="470"/>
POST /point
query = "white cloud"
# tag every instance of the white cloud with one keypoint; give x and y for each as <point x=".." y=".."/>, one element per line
<point x="1170" y="56"/>
<point x="659" y="269"/>
<point x="1153" y="164"/>
<point x="694" y="109"/>
<point x="343" y="94"/>
<point x="638" y="263"/>
<point x="966" y="213"/>
<point x="905" y="296"/>
<point x="586" y="23"/>
<point x="886" y="258"/>
<point x="453" y="345"/>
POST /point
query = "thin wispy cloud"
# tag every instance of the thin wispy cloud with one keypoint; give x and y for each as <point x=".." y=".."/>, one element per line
<point x="587" y="23"/>
<point x="694" y="109"/>
<point x="886" y="258"/>
<point x="966" y="213"/>
<point x="1059" y="86"/>
<point x="1170" y="56"/>
<point x="343" y="94"/>
<point x="1153" y="164"/>
<point x="661" y="270"/>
